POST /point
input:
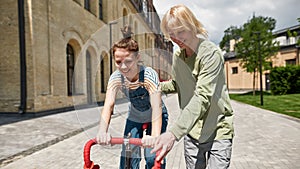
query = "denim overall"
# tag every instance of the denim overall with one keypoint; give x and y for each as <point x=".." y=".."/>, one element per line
<point x="140" y="112"/>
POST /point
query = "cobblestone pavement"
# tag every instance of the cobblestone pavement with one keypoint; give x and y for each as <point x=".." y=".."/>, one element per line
<point x="263" y="140"/>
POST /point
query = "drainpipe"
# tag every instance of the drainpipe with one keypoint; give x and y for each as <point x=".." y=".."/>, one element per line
<point x="23" y="85"/>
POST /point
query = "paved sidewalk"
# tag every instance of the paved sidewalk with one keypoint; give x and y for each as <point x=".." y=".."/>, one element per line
<point x="264" y="140"/>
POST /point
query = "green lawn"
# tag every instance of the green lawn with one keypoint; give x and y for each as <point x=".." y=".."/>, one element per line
<point x="284" y="104"/>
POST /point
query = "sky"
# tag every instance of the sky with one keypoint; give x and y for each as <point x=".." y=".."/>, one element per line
<point x="218" y="15"/>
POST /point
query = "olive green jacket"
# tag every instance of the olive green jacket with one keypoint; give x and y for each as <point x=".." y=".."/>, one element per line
<point x="199" y="80"/>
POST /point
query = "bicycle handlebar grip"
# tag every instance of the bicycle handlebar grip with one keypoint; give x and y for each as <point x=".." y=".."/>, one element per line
<point x="157" y="164"/>
<point x="88" y="164"/>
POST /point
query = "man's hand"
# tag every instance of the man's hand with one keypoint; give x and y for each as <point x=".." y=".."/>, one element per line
<point x="148" y="141"/>
<point x="164" y="142"/>
<point x="103" y="138"/>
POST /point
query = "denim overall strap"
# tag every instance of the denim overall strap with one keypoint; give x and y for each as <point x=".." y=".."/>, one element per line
<point x="141" y="74"/>
<point x="124" y="89"/>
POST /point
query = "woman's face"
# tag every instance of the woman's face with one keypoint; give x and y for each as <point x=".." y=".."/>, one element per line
<point x="126" y="62"/>
<point x="182" y="37"/>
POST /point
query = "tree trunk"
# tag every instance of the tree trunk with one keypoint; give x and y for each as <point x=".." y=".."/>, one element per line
<point x="253" y="87"/>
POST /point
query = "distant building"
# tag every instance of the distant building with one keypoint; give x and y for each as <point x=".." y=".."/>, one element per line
<point x="238" y="79"/>
<point x="66" y="59"/>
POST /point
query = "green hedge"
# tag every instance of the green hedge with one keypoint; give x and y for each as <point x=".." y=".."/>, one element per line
<point x="285" y="80"/>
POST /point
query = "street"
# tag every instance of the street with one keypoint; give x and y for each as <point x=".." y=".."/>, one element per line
<point x="263" y="140"/>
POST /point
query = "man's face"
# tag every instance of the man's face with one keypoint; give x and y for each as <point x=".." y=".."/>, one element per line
<point x="126" y="62"/>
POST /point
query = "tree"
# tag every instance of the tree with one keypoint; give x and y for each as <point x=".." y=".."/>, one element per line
<point x="255" y="41"/>
<point x="298" y="43"/>
<point x="233" y="32"/>
<point x="292" y="34"/>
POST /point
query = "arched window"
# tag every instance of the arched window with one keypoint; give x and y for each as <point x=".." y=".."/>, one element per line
<point x="87" y="5"/>
<point x="130" y="21"/>
<point x="124" y="17"/>
<point x="100" y="9"/>
<point x="102" y="74"/>
<point x="145" y="8"/>
<point x="136" y="31"/>
<point x="89" y="77"/>
<point x="70" y="69"/>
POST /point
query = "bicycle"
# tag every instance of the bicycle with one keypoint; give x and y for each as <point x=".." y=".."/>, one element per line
<point x="88" y="164"/>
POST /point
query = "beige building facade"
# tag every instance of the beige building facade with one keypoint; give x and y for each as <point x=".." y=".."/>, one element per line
<point x="240" y="80"/>
<point x="67" y="50"/>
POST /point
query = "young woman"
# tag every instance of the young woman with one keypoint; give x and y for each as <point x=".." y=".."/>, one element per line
<point x="206" y="120"/>
<point x="141" y="86"/>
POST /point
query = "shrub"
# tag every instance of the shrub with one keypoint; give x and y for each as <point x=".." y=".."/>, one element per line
<point x="285" y="80"/>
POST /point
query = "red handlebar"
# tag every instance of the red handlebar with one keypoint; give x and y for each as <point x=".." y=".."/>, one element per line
<point x="134" y="141"/>
<point x="88" y="164"/>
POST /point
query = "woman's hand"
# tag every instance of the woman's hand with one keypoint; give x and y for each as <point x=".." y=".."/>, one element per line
<point x="103" y="138"/>
<point x="148" y="141"/>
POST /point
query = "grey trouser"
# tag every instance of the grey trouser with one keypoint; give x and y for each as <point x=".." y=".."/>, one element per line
<point x="211" y="155"/>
